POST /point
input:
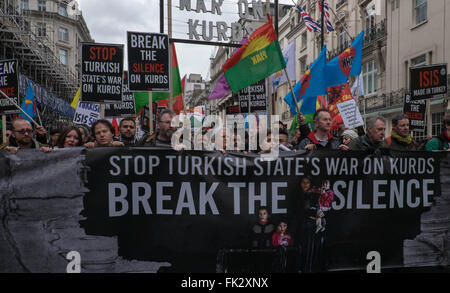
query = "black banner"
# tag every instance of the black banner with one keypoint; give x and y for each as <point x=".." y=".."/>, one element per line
<point x="148" y="61"/>
<point x="101" y="73"/>
<point x="200" y="210"/>
<point x="416" y="111"/>
<point x="9" y="84"/>
<point x="127" y="108"/>
<point x="257" y="95"/>
<point x="428" y="81"/>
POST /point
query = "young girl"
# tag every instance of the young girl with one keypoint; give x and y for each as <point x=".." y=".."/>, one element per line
<point x="282" y="237"/>
<point x="325" y="200"/>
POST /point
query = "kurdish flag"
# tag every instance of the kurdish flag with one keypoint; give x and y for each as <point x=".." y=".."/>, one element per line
<point x="258" y="58"/>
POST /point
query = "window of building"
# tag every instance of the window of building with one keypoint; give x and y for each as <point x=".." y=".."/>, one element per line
<point x="420" y="10"/>
<point x="63" y="56"/>
<point x="419" y="61"/>
<point x="436" y="123"/>
<point x="370" y="18"/>
<point x="342" y="44"/>
<point x="395" y="4"/>
<point x="340" y="3"/>
<point x="292" y="22"/>
<point x="26" y="26"/>
<point x="302" y="66"/>
<point x="419" y="135"/>
<point x="304" y="40"/>
<point x="63" y="34"/>
<point x="24" y="5"/>
<point x="370" y="77"/>
<point x="41" y="5"/>
<point x="41" y="29"/>
<point x="62" y="10"/>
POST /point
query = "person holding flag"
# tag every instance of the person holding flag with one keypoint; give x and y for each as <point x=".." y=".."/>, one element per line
<point x="29" y="112"/>
<point x="22" y="138"/>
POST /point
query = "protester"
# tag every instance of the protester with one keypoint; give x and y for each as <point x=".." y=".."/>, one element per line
<point x="127" y="131"/>
<point x="8" y="134"/>
<point x="219" y="140"/>
<point x="374" y="137"/>
<point x="340" y="132"/>
<point x="84" y="134"/>
<point x="348" y="135"/>
<point x="54" y="135"/>
<point x="104" y="135"/>
<point x="69" y="137"/>
<point x="442" y="141"/>
<point x="284" y="141"/>
<point x="296" y="138"/>
<point x="22" y="138"/>
<point x="321" y="137"/>
<point x="401" y="139"/>
<point x="164" y="131"/>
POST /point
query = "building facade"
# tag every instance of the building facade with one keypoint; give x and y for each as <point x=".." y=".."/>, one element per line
<point x="398" y="35"/>
<point x="60" y="26"/>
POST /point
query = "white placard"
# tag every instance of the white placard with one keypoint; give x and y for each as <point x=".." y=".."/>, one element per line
<point x="86" y="114"/>
<point x="347" y="110"/>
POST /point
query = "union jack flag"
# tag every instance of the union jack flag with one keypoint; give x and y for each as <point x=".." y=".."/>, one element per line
<point x="310" y="23"/>
<point x="326" y="10"/>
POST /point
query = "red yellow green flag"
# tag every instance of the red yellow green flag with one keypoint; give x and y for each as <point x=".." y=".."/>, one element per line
<point x="258" y="58"/>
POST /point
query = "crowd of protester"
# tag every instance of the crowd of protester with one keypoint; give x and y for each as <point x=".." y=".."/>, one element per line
<point x="21" y="135"/>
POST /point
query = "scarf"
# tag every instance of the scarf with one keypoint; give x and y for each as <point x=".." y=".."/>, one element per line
<point x="405" y="140"/>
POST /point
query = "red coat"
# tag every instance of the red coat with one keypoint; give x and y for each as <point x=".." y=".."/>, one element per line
<point x="279" y="239"/>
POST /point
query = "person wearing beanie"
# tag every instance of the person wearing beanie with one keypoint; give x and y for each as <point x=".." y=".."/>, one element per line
<point x="348" y="135"/>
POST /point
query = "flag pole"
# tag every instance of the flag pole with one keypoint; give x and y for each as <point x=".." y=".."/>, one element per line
<point x="150" y="110"/>
<point x="292" y="90"/>
<point x="3" y="128"/>
<point x="18" y="107"/>
<point x="323" y="26"/>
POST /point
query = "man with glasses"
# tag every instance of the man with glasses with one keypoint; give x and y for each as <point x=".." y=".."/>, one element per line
<point x="22" y="138"/>
<point x="164" y="131"/>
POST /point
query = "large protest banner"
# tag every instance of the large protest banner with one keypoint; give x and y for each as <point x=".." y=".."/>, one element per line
<point x="191" y="209"/>
<point x="9" y="84"/>
<point x="101" y="73"/>
<point x="125" y="109"/>
<point x="194" y="205"/>
<point x="148" y="61"/>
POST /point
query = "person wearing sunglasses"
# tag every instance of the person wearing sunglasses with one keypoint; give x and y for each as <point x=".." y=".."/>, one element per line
<point x="22" y="137"/>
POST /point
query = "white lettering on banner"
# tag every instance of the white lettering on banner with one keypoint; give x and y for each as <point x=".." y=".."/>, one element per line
<point x="101" y="67"/>
<point x="7" y="68"/>
<point x="345" y="197"/>
<point x="148" y="41"/>
<point x="118" y="195"/>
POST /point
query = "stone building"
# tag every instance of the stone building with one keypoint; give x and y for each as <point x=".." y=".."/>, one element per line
<point x="63" y="27"/>
<point x="398" y="36"/>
